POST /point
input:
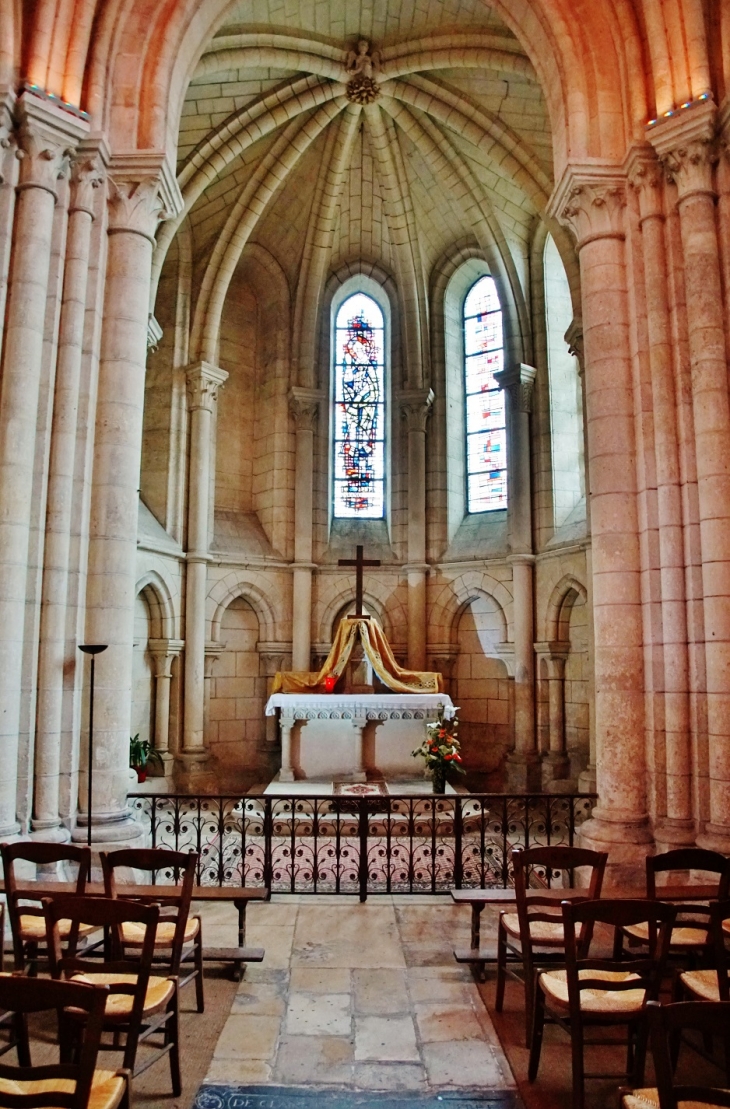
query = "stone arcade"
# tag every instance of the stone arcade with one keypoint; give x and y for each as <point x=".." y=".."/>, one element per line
<point x="280" y="279"/>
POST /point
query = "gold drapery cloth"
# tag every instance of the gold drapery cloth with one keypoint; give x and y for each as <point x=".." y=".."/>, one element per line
<point x="378" y="651"/>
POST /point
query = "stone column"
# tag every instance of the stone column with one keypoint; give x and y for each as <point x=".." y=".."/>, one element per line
<point x="163" y="651"/>
<point x="590" y="200"/>
<point x="415" y="408"/>
<point x="286" y="723"/>
<point x="46" y="136"/>
<point x="141" y="189"/>
<point x="212" y="654"/>
<point x="359" y="723"/>
<point x="204" y="381"/>
<point x="523" y="765"/>
<point x="678" y="828"/>
<point x="686" y="146"/>
<point x="304" y="407"/>
<point x="557" y="764"/>
<point x="8" y="179"/>
<point x="273" y="657"/>
<point x="87" y="175"/>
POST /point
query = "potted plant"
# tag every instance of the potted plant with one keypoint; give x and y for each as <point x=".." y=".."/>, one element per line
<point x="141" y="755"/>
<point x="441" y="750"/>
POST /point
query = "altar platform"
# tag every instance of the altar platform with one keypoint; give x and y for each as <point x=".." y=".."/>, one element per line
<point x="353" y="737"/>
<point x="395" y="787"/>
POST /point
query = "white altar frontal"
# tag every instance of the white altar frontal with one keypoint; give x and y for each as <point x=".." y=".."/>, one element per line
<point x="349" y="736"/>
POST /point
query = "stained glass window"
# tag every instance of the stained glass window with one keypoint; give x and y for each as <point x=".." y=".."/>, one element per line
<point x="486" y="436"/>
<point x="359" y="409"/>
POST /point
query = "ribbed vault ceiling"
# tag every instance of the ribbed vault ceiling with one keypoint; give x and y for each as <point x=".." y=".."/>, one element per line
<point x="273" y="151"/>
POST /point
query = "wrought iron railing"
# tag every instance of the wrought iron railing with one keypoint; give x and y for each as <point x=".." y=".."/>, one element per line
<point x="359" y="844"/>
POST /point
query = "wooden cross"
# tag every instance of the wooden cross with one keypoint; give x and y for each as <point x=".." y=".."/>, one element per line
<point x="358" y="562"/>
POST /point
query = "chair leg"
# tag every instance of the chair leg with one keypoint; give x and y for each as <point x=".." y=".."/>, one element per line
<point x="618" y="943"/>
<point x="199" y="988"/>
<point x="501" y="965"/>
<point x="172" y="1031"/>
<point x="576" y="1046"/>
<point x="22" y="1046"/>
<point x="641" y="1042"/>
<point x="538" y="1026"/>
<point x="528" y="971"/>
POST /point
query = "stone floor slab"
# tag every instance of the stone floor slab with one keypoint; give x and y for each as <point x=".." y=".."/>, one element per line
<point x="380" y="992"/>
<point x="464" y="1063"/>
<point x="436" y="1021"/>
<point x="319" y="1060"/>
<point x="389" y="1076"/>
<point x="248" y="1037"/>
<point x="325" y="1014"/>
<point x="320" y="979"/>
<point x="386" y="1039"/>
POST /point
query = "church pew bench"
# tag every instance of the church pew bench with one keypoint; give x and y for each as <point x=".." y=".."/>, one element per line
<point x="479" y="899"/>
<point x="239" y="896"/>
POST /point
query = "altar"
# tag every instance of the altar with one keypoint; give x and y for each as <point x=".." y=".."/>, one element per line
<point x="353" y="736"/>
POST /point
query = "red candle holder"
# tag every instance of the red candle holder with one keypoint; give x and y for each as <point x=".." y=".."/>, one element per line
<point x="329" y="683"/>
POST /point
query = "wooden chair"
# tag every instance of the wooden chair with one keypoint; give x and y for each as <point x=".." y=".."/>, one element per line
<point x="666" y="1024"/>
<point x="139" y="1004"/>
<point x="690" y="937"/>
<point x="179" y="935"/>
<point x="600" y="992"/>
<point x="709" y="983"/>
<point x="533" y="936"/>
<point x="27" y="920"/>
<point x="73" y="1083"/>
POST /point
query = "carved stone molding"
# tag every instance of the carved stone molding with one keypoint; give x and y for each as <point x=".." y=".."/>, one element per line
<point x="574" y="338"/>
<point x="646" y="178"/>
<point x="87" y="174"/>
<point x="204" y="381"/>
<point x="163" y="651"/>
<point x="135" y="207"/>
<point x="589" y="200"/>
<point x="361" y="67"/>
<point x="47" y="138"/>
<point x="304" y="407"/>
<point x="415" y="406"/>
<point x="518" y="382"/>
<point x="687" y="146"/>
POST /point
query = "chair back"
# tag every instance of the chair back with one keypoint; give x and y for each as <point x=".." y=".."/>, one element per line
<point x="19" y="893"/>
<point x="719" y="913"/>
<point x="35" y="995"/>
<point x="689" y="858"/>
<point x="615" y="913"/>
<point x="666" y="1024"/>
<point x="110" y="914"/>
<point x="181" y="865"/>
<point x="567" y="860"/>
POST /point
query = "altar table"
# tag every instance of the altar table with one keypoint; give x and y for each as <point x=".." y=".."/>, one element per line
<point x="347" y="734"/>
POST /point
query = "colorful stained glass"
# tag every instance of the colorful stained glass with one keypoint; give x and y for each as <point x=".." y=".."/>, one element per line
<point x="359" y="409"/>
<point x="486" y="436"/>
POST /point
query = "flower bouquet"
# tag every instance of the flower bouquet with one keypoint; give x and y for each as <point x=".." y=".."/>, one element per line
<point x="441" y="750"/>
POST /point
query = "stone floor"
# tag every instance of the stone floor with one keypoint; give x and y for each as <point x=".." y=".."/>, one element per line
<point x="357" y="996"/>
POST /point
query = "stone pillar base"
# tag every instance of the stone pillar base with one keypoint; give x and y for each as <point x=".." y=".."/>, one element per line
<point x="555" y="767"/>
<point x="716" y="837"/>
<point x="587" y="782"/>
<point x="626" y="838"/>
<point x="524" y="772"/>
<point x="197" y="773"/>
<point x="285" y="776"/>
<point x="45" y="832"/>
<point x="670" y="834"/>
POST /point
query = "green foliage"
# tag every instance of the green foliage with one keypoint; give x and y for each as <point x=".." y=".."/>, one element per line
<point x="142" y="753"/>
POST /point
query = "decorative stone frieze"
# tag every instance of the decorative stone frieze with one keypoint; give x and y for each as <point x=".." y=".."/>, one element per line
<point x="304" y="407"/>
<point x="687" y="147"/>
<point x="589" y="200"/>
<point x="518" y="381"/>
<point x="204" y="381"/>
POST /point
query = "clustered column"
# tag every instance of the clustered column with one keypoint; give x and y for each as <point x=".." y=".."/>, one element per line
<point x="304" y="407"/>
<point x="87" y="174"/>
<point x="46" y="137"/>
<point x="204" y="381"/>
<point x="139" y="191"/>
<point x="591" y="201"/>
<point x="416" y="407"/>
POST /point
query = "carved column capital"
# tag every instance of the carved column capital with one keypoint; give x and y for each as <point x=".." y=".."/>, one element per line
<point x="304" y="407"/>
<point x="47" y="138"/>
<point x="686" y="144"/>
<point x="415" y="406"/>
<point x="646" y="179"/>
<point x="204" y="381"/>
<point x="163" y="651"/>
<point x="154" y="334"/>
<point x="574" y="338"/>
<point x="87" y="174"/>
<point x="518" y="382"/>
<point x="589" y="200"/>
<point x="142" y="192"/>
<point x="273" y="657"/>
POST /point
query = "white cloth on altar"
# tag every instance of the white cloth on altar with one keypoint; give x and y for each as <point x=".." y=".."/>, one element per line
<point x="360" y="704"/>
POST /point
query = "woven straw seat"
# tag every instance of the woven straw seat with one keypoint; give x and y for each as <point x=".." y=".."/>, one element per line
<point x="34" y="928"/>
<point x="541" y="932"/>
<point x="649" y="1099"/>
<point x="554" y="984"/>
<point x="702" y="983"/>
<point x="107" y="1088"/>
<point x="133" y="934"/>
<point x="119" y="1005"/>
<point x="681" y="937"/>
